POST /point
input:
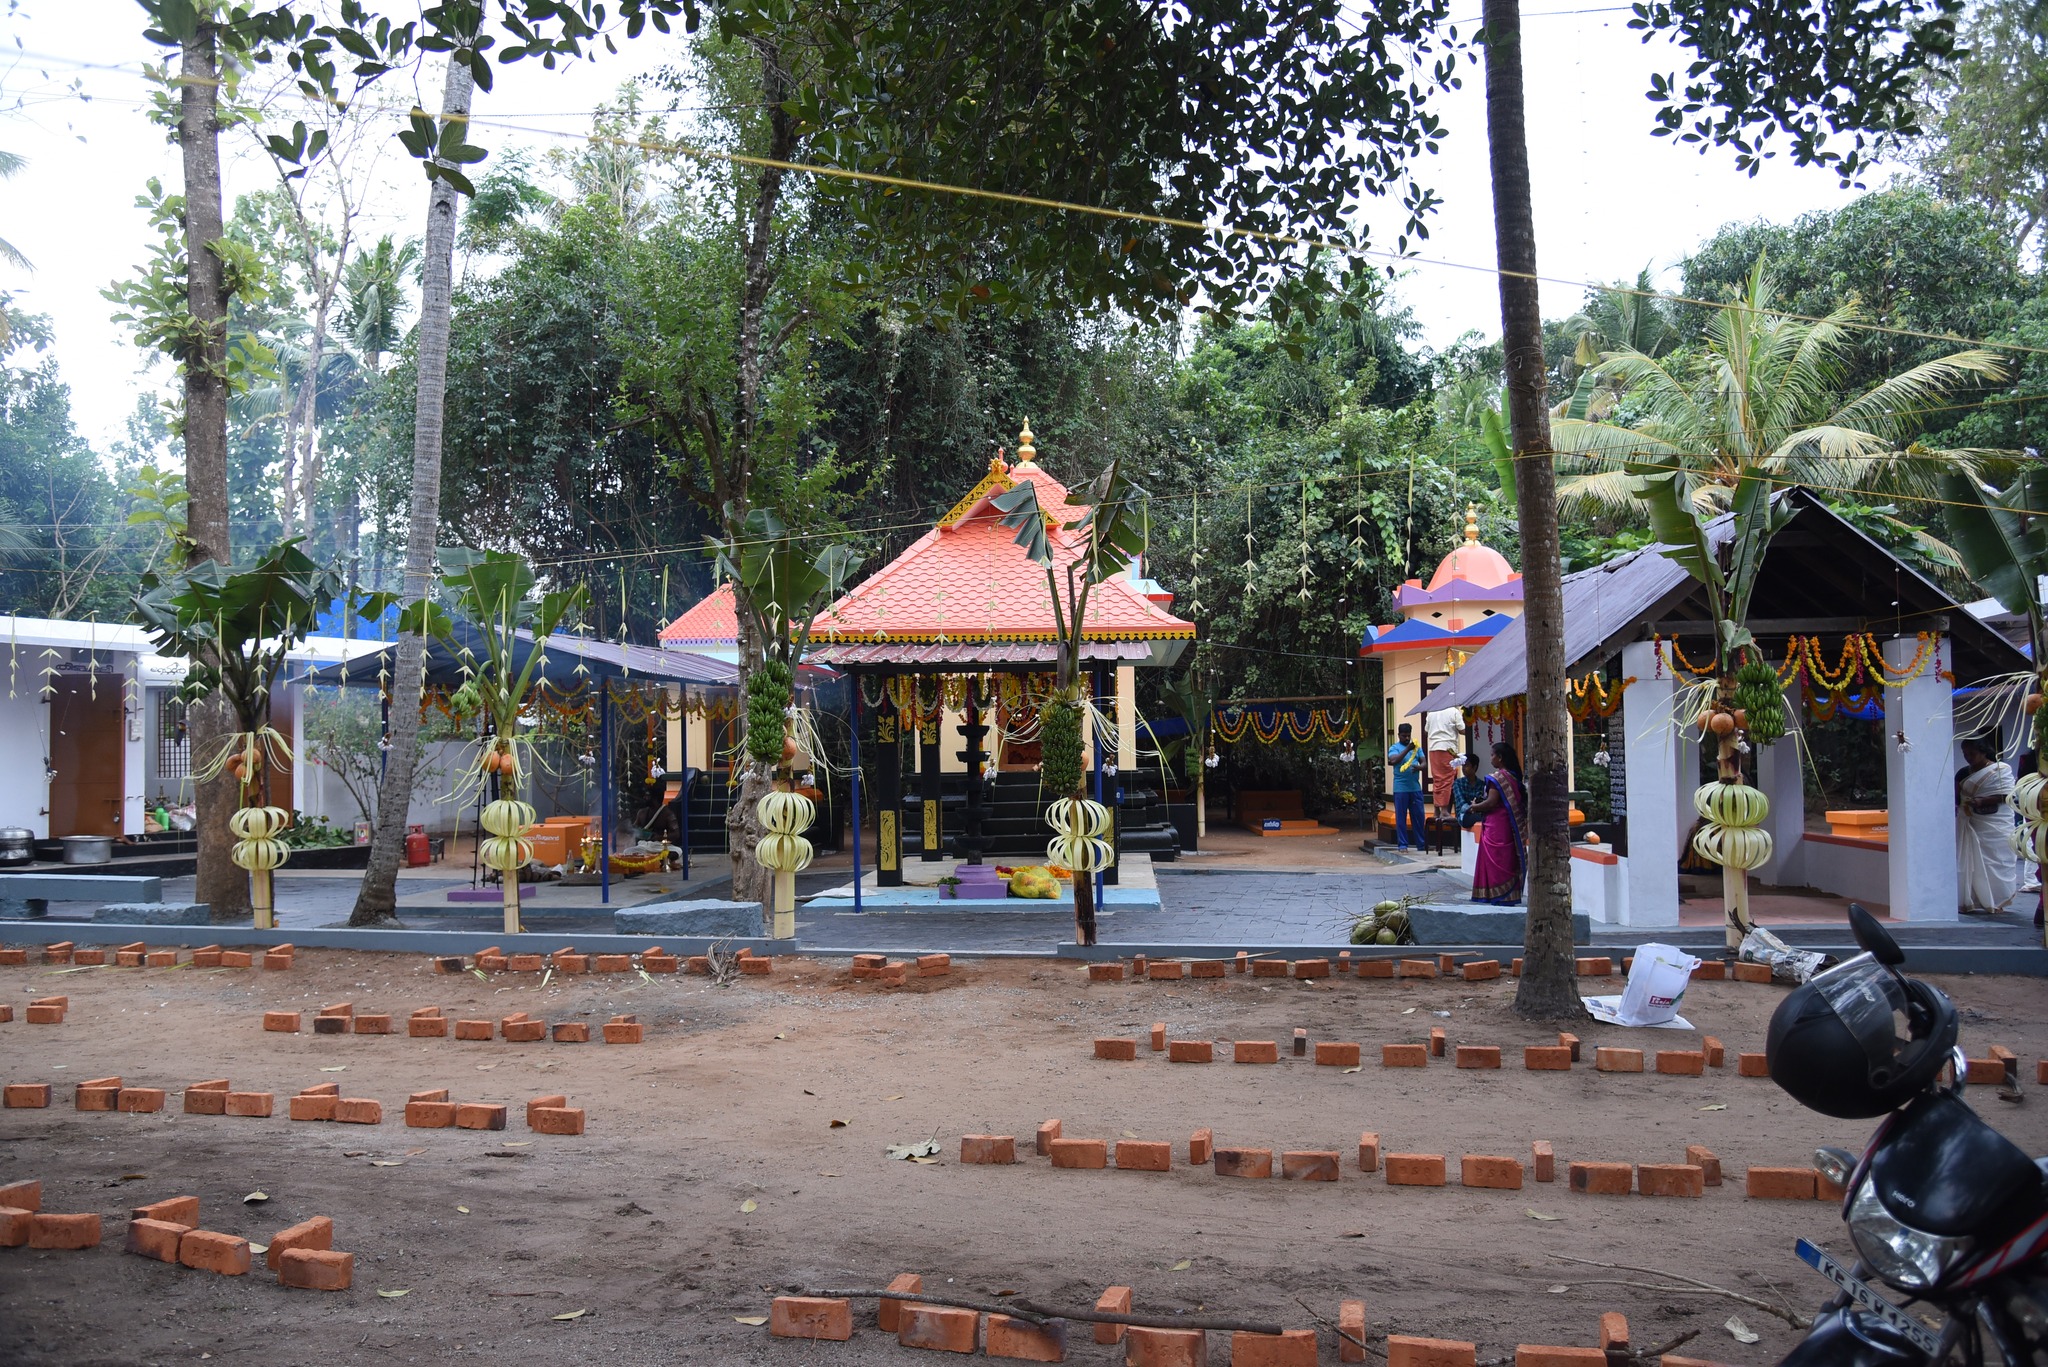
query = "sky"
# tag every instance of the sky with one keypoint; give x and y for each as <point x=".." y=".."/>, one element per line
<point x="1609" y="198"/>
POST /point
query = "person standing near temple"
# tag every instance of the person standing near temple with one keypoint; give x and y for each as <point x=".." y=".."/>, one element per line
<point x="1405" y="759"/>
<point x="1443" y="734"/>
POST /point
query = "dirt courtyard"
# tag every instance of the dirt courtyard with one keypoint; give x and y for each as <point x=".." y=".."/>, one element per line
<point x="713" y="1173"/>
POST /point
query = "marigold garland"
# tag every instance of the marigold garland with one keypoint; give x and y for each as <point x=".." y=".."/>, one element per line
<point x="1304" y="726"/>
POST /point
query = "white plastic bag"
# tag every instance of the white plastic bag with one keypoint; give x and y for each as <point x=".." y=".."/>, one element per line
<point x="1656" y="984"/>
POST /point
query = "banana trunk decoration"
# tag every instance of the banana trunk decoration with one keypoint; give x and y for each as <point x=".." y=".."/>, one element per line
<point x="258" y="850"/>
<point x="784" y="851"/>
<point x="1732" y="837"/>
<point x="506" y="850"/>
<point x="1081" y="824"/>
<point x="2030" y="800"/>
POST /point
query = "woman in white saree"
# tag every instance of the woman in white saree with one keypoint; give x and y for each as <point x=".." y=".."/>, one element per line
<point x="1987" y="868"/>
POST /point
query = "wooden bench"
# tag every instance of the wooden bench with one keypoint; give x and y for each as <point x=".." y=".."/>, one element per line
<point x="1277" y="813"/>
<point x="26" y="896"/>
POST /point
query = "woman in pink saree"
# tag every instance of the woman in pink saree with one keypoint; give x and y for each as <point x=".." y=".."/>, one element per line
<point x="1500" y="815"/>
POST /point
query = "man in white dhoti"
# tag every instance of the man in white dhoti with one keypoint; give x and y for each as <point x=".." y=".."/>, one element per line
<point x="1987" y="867"/>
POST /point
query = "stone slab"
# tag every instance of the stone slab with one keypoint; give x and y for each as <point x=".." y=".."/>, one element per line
<point x="705" y="917"/>
<point x="154" y="913"/>
<point x="1450" y="923"/>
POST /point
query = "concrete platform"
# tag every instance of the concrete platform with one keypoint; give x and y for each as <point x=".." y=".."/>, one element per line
<point x="1136" y="889"/>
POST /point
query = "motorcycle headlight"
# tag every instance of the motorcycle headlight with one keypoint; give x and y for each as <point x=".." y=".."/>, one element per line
<point x="1901" y="1255"/>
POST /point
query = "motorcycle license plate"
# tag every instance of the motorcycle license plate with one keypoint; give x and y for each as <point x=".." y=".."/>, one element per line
<point x="1920" y="1335"/>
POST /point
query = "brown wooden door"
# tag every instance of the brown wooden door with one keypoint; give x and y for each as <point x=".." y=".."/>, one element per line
<point x="87" y="750"/>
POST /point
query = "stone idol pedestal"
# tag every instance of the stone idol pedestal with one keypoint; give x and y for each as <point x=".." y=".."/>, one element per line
<point x="979" y="881"/>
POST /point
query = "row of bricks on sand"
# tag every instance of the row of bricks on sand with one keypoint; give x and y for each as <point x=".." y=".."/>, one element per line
<point x="303" y="1256"/>
<point x="428" y="1110"/>
<point x="1467" y="966"/>
<point x="140" y="955"/>
<point x="429" y="1023"/>
<point x="1700" y="1170"/>
<point x="1999" y="1067"/>
<point x="960" y="1330"/>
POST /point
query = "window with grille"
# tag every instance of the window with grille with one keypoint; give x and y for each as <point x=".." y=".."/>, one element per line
<point x="173" y="746"/>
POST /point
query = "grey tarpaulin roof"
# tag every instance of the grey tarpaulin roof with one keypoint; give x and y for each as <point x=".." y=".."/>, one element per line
<point x="598" y="660"/>
<point x="1819" y="566"/>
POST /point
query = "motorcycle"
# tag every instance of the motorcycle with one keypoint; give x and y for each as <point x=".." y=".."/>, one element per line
<point x="1943" y="1210"/>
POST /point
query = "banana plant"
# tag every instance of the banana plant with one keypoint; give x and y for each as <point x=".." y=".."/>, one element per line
<point x="495" y="592"/>
<point x="235" y="627"/>
<point x="1111" y="530"/>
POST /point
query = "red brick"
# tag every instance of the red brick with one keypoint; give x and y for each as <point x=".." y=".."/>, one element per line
<point x="1159" y="1037"/>
<point x="524" y="963"/>
<point x="571" y="1032"/>
<point x="1312" y="968"/>
<point x="888" y="1310"/>
<point x="174" y="1210"/>
<point x="1482" y="1170"/>
<point x="129" y="958"/>
<point x="1610" y="1059"/>
<point x="1780" y="1184"/>
<point x="324" y="1024"/>
<point x="1369" y="1151"/>
<point x="1539" y="1058"/>
<point x="1543" y="1161"/>
<point x="279" y="959"/>
<point x="1416" y="968"/>
<point x="332" y="1089"/>
<point x="1981" y="1070"/>
<point x="1115" y="1301"/>
<point x="13" y="958"/>
<point x="934" y="965"/>
<point x="51" y="1001"/>
<point x="523" y="1032"/>
<point x="1671" y="1179"/>
<point x="1335" y="1054"/>
<point x="313" y="1107"/>
<point x="1376" y="968"/>
<point x="232" y="958"/>
<point x="1601" y="1179"/>
<point x="1165" y="1347"/>
<point x="282" y="1022"/>
<point x="68" y="1232"/>
<point x="1710" y="970"/>
<point x="1415" y="1169"/>
<point x="97" y="1094"/>
<point x="1270" y="968"/>
<point x="1021" y="1340"/>
<point x="339" y="1009"/>
<point x="1571" y="1042"/>
<point x="1288" y="1348"/>
<point x="1716" y="1052"/>
<point x="373" y="1024"/>
<point x="652" y="961"/>
<point x="1681" y="1062"/>
<point x="161" y="958"/>
<point x="758" y="966"/>
<point x="1243" y="1162"/>
<point x="44" y="1015"/>
<point x="314" y="1235"/>
<point x="1404" y="1056"/>
<point x="628" y="1032"/>
<point x="1144" y="1155"/>
<point x="358" y="1110"/>
<point x="489" y="961"/>
<point x="1533" y="1355"/>
<point x="6" y="1013"/>
<point x="441" y="1094"/>
<point x="59" y="953"/>
<point x="1824" y="1190"/>
<point x="701" y="964"/>
<point x="1201" y="1147"/>
<point x="1047" y="1132"/>
<point x="1404" y="1351"/>
<point x="1613" y="1331"/>
<point x="475" y="1029"/>
<point x="1106" y="973"/>
<point x="1478" y="1056"/>
<point x="427" y="1027"/>
<point x="1309" y="1165"/>
<point x="1702" y="1157"/>
<point x="154" y="1239"/>
<point x="1243" y="960"/>
<point x="2041" y="1072"/>
<point x="1437" y="1040"/>
<point x="1080" y="1153"/>
<point x="555" y="1120"/>
<point x="1599" y="967"/>
<point x="1207" y="968"/>
<point x="26" y="1095"/>
<point x="1351" y="1331"/>
<point x="27" y="1195"/>
<point x="94" y="958"/>
<point x="1165" y="970"/>
<point x="1479" y="970"/>
<point x="1255" y="1051"/>
<point x="1191" y="1051"/>
<point x="313" y="1269"/>
<point x="811" y="1317"/>
<point x="1753" y="1065"/>
<point x="612" y="963"/>
<point x="1752" y="973"/>
<point x="1447" y="964"/>
<point x="14" y="1225"/>
<point x="479" y="1115"/>
<point x="939" y="1327"/>
<point x="988" y="1148"/>
<point x="430" y="1115"/>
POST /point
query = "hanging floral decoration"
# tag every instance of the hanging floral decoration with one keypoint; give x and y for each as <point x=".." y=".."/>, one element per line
<point x="1590" y="699"/>
<point x="1267" y="725"/>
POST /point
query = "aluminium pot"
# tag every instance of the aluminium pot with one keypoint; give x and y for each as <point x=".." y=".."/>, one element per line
<point x="87" y="849"/>
<point x="17" y="845"/>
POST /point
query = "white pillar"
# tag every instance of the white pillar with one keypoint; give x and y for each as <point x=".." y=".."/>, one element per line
<point x="672" y="750"/>
<point x="1778" y="774"/>
<point x="1127" y="718"/>
<point x="1650" y="778"/>
<point x="1920" y="788"/>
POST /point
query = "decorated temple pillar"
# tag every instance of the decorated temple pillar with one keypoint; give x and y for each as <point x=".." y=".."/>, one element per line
<point x="928" y="780"/>
<point x="888" y="796"/>
<point x="973" y="755"/>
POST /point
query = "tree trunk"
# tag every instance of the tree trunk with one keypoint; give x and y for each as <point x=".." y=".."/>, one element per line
<point x="1549" y="982"/>
<point x="219" y="883"/>
<point x="378" y="897"/>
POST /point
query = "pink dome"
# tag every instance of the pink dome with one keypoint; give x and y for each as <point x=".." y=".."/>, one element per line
<point x="1475" y="564"/>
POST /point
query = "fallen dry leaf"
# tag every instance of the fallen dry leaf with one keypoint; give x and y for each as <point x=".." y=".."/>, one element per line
<point x="463" y="1209"/>
<point x="828" y="1174"/>
<point x="353" y="1153"/>
<point x="1352" y="1070"/>
<point x="1183" y="1265"/>
<point x="413" y="1153"/>
<point x="836" y="1125"/>
<point x="782" y="1037"/>
<point x="255" y="1198"/>
<point x="485" y="1067"/>
<point x="337" y="1068"/>
<point x="1352" y="1234"/>
<point x="133" y="1177"/>
<point x="1557" y="1290"/>
<point x="394" y="1295"/>
<point x="1409" y="1012"/>
<point x="750" y="1319"/>
<point x="749" y="1206"/>
<point x="1720" y="1106"/>
<point x="926" y="1161"/>
<point x="572" y="1315"/>
<point x="897" y="1097"/>
<point x="1742" y="1332"/>
<point x="387" y="1163"/>
<point x="259" y="1248"/>
<point x="517" y="1143"/>
<point x="1536" y="1215"/>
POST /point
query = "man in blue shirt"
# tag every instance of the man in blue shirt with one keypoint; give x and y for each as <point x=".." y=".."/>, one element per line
<point x="1405" y="759"/>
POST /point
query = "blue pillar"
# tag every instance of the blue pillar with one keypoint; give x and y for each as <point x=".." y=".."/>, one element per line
<point x="604" y="781"/>
<point x="854" y="679"/>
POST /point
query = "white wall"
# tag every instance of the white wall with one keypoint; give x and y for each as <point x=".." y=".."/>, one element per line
<point x="24" y="753"/>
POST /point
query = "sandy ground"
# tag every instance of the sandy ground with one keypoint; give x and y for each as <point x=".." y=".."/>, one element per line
<point x="642" y="1221"/>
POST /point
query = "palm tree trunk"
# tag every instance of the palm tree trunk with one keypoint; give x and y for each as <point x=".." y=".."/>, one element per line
<point x="379" y="895"/>
<point x="219" y="883"/>
<point x="1549" y="983"/>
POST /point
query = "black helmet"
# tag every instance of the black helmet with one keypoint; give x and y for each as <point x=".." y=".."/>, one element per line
<point x="1859" y="1040"/>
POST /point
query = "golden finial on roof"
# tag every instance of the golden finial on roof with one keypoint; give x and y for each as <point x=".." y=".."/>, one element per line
<point x="999" y="466"/>
<point x="1026" y="452"/>
<point x="1472" y="522"/>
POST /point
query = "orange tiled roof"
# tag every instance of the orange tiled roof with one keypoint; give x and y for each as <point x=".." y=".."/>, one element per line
<point x="712" y="621"/>
<point x="967" y="580"/>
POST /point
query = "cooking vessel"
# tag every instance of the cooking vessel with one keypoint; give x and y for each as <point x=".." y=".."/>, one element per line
<point x="88" y="849"/>
<point x="17" y="845"/>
